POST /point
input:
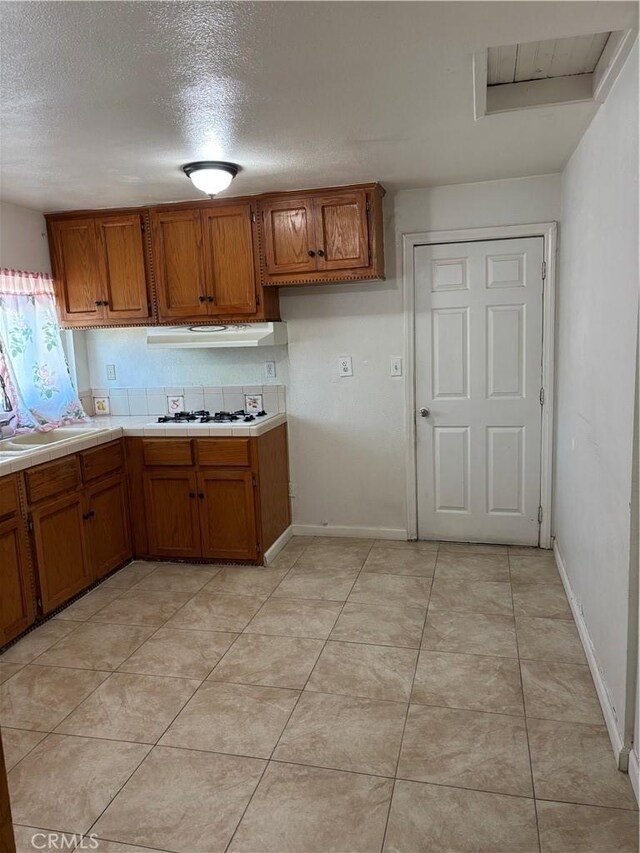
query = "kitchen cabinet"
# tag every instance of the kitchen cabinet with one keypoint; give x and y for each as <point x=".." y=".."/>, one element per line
<point x="171" y="501"/>
<point x="222" y="260"/>
<point x="16" y="601"/>
<point x="227" y="514"/>
<point x="108" y="531"/>
<point x="99" y="269"/>
<point x="7" y="840"/>
<point x="179" y="264"/>
<point x="79" y="521"/>
<point x="206" y="263"/>
<point x="324" y="236"/>
<point x="209" y="498"/>
<point x="60" y="550"/>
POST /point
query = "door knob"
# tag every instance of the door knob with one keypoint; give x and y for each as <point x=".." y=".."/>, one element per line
<point x="425" y="413"/>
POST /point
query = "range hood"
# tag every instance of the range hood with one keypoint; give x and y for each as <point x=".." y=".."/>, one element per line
<point x="202" y="337"/>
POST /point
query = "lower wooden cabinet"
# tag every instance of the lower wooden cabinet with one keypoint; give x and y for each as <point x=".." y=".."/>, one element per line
<point x="78" y="537"/>
<point x="228" y="515"/>
<point x="16" y="599"/>
<point x="172" y="511"/>
<point x="60" y="550"/>
<point x="107" y="527"/>
<point x="209" y="498"/>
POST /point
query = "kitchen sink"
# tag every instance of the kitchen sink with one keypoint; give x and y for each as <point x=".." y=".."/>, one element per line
<point x="37" y="440"/>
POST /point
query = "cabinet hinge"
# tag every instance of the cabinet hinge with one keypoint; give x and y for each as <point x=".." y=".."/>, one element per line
<point x="39" y="603"/>
<point x="542" y="396"/>
<point x="142" y="228"/>
<point x="30" y="525"/>
<point x="544" y="270"/>
<point x="252" y="216"/>
<point x="254" y="482"/>
<point x="257" y="547"/>
<point x="369" y="255"/>
<point x="539" y="515"/>
<point x="257" y="300"/>
<point x="368" y="205"/>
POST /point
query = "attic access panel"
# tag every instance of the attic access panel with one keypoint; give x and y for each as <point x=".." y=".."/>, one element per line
<point x="545" y="73"/>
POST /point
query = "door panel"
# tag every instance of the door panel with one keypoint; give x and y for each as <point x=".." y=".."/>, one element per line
<point x="229" y="259"/>
<point x="58" y="537"/>
<point x="16" y="601"/>
<point x="227" y="515"/>
<point x="179" y="263"/>
<point x="289" y="235"/>
<point x="75" y="251"/>
<point x="342" y="231"/>
<point x="172" y="513"/>
<point x="108" y="531"/>
<point x="478" y="371"/>
<point x="121" y="259"/>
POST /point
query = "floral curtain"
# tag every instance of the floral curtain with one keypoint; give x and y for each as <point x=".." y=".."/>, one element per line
<point x="33" y="366"/>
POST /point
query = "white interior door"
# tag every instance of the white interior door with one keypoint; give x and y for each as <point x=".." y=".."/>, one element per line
<point x="478" y="374"/>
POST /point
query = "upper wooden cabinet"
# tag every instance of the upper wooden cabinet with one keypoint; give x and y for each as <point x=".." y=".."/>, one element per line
<point x="321" y="237"/>
<point x="204" y="261"/>
<point x="99" y="267"/>
<point x="178" y="263"/>
<point x="211" y="259"/>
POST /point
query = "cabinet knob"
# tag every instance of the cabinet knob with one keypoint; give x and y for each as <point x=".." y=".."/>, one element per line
<point x="211" y="299"/>
<point x="201" y="495"/>
<point x="311" y="253"/>
<point x="320" y="253"/>
<point x="192" y="494"/>
<point x="202" y="298"/>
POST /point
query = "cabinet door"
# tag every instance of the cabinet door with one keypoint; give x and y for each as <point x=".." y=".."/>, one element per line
<point x="289" y="236"/>
<point x="227" y="515"/>
<point x="108" y="530"/>
<point x="122" y="267"/>
<point x="229" y="259"/>
<point x="342" y="231"/>
<point x="75" y="265"/>
<point x="179" y="263"/>
<point x="16" y="601"/>
<point x="59" y="544"/>
<point x="172" y="513"/>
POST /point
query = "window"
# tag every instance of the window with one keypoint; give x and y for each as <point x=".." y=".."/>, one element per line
<point x="35" y="385"/>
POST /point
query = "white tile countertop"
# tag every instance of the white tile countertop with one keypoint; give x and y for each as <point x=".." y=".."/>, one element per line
<point x="111" y="428"/>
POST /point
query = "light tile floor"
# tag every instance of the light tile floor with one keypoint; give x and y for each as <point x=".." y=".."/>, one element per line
<point x="354" y="696"/>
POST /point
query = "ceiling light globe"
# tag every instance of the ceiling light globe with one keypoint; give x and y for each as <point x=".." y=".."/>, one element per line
<point x="211" y="177"/>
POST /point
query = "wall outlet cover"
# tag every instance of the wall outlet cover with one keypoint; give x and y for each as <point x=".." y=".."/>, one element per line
<point x="111" y="372"/>
<point x="101" y="406"/>
<point x="345" y="365"/>
<point x="270" y="369"/>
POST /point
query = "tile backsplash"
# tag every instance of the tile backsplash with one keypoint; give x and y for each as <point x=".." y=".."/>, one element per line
<point x="161" y="401"/>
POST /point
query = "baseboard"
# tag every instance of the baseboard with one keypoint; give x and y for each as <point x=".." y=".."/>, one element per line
<point x="620" y="751"/>
<point x="359" y="532"/>
<point x="271" y="553"/>
<point x="634" y="774"/>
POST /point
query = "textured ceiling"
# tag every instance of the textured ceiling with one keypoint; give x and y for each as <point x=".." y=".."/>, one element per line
<point x="101" y="102"/>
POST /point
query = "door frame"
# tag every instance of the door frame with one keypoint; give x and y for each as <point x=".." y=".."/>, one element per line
<point x="549" y="233"/>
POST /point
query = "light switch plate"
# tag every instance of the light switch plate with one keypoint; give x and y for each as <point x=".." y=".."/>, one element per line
<point x="396" y="365"/>
<point x="345" y="365"/>
<point x="270" y="369"/>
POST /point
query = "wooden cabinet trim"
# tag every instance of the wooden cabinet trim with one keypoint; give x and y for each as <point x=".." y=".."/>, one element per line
<point x="9" y="496"/>
<point x="102" y="460"/>
<point x="167" y="451"/>
<point x="223" y="452"/>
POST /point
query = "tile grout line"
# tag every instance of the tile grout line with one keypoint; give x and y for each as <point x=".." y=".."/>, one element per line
<point x="297" y="700"/>
<point x="406" y="716"/>
<point x="524" y="706"/>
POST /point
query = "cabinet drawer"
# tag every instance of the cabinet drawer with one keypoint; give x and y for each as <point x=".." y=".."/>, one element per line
<point x="9" y="496"/>
<point x="101" y="460"/>
<point x="167" y="451"/>
<point x="53" y="478"/>
<point x="224" y="451"/>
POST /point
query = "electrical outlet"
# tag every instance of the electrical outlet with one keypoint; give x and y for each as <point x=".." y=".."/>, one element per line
<point x="345" y="365"/>
<point x="270" y="369"/>
<point x="111" y="372"/>
<point x="396" y="365"/>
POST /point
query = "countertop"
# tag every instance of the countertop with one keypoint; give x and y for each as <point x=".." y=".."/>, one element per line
<point x="139" y="425"/>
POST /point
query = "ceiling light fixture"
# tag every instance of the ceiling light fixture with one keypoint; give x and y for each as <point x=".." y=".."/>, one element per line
<point x="211" y="176"/>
